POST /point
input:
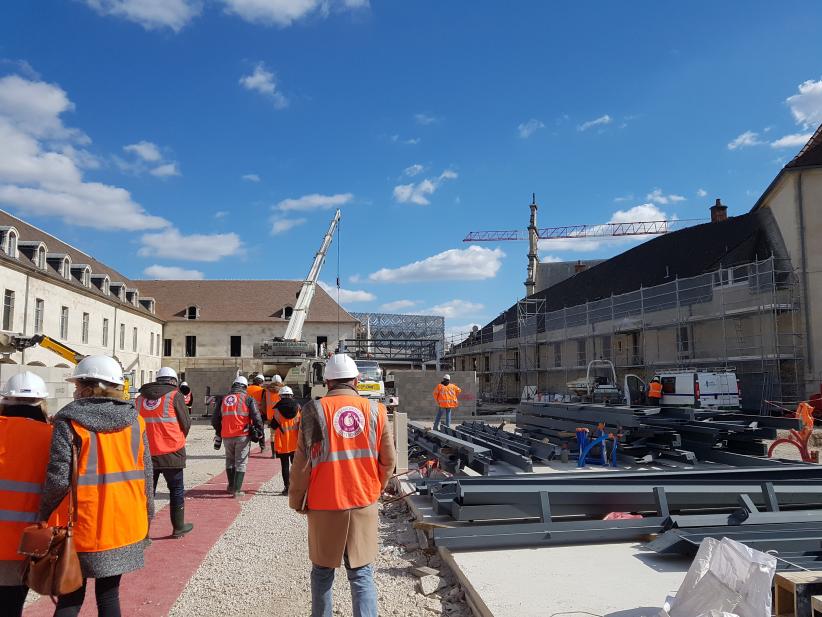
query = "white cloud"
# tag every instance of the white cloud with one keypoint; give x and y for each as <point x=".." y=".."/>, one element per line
<point x="150" y="14"/>
<point x="658" y="197"/>
<point x="418" y="193"/>
<point x="806" y="106"/>
<point x="745" y="140"/>
<point x="550" y="259"/>
<point x="314" y="201"/>
<point x="642" y="212"/>
<point x="526" y="129"/>
<point x="146" y="150"/>
<point x="355" y="278"/>
<point x="221" y="214"/>
<point x="454" y="308"/>
<point x="251" y="177"/>
<point x="165" y="170"/>
<point x="621" y="198"/>
<point x="601" y="121"/>
<point x="701" y="193"/>
<point x="41" y="170"/>
<point x="285" y="12"/>
<point x="457" y="334"/>
<point x="172" y="273"/>
<point x="398" y="305"/>
<point x="348" y="296"/>
<point x="264" y="82"/>
<point x="413" y="170"/>
<point x="474" y="263"/>
<point x="171" y="244"/>
<point x="281" y="225"/>
<point x="796" y="140"/>
<point x="424" y="119"/>
<point x="413" y="141"/>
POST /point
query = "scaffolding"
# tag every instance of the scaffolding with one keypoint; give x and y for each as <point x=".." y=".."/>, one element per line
<point x="744" y="317"/>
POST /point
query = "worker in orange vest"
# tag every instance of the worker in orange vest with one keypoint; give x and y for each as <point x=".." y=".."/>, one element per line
<point x="162" y="406"/>
<point x="446" y="394"/>
<point x="655" y="392"/>
<point x="114" y="500"/>
<point x="25" y="438"/>
<point x="344" y="459"/>
<point x="237" y="424"/>
<point x="271" y="396"/>
<point x="285" y="424"/>
<point x="255" y="390"/>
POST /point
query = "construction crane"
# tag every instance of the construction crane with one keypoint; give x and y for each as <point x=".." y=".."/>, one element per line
<point x="533" y="234"/>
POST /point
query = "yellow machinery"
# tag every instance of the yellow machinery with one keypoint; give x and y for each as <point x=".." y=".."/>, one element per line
<point x="10" y="343"/>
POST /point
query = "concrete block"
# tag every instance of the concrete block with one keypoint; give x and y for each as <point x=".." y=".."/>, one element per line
<point x="421" y="571"/>
<point x="401" y="440"/>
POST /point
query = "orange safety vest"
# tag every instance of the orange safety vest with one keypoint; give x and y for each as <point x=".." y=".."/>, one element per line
<point x="111" y="488"/>
<point x="447" y="395"/>
<point x="162" y="427"/>
<point x="24" y="456"/>
<point x="236" y="418"/>
<point x="271" y="399"/>
<point x="655" y="390"/>
<point x="285" y="437"/>
<point x="256" y="392"/>
<point x="345" y="470"/>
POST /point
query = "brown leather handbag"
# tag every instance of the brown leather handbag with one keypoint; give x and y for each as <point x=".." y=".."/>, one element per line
<point x="52" y="567"/>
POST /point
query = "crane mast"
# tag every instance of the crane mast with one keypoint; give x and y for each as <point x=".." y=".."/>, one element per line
<point x="294" y="331"/>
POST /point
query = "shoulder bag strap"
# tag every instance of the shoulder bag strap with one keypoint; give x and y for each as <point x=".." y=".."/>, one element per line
<point x="75" y="473"/>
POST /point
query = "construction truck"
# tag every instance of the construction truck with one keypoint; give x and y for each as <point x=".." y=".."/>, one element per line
<point x="10" y="343"/>
<point x="295" y="360"/>
<point x="370" y="383"/>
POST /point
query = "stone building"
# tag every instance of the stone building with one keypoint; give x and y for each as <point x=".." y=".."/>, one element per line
<point x="52" y="288"/>
<point x="739" y="292"/>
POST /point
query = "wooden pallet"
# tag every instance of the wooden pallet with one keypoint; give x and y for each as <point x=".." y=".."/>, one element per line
<point x="793" y="591"/>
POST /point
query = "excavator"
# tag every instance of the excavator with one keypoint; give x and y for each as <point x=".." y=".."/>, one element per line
<point x="10" y="343"/>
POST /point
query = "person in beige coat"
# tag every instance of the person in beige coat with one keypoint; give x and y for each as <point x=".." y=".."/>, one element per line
<point x="340" y="496"/>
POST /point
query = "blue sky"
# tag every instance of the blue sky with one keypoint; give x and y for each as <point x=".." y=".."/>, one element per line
<point x="215" y="137"/>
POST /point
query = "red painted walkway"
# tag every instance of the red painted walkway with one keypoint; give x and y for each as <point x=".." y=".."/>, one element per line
<point x="170" y="563"/>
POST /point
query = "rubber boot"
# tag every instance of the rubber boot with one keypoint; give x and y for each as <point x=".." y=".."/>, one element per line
<point x="178" y="517"/>
<point x="230" y="473"/>
<point x="238" y="483"/>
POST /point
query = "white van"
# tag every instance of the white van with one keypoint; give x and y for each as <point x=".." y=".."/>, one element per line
<point x="713" y="389"/>
<point x="370" y="383"/>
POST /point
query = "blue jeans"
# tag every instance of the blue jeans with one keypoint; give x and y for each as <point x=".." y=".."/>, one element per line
<point x="363" y="591"/>
<point x="174" y="481"/>
<point x="447" y="411"/>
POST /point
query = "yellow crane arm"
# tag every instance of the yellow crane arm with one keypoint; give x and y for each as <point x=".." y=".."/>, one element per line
<point x="64" y="351"/>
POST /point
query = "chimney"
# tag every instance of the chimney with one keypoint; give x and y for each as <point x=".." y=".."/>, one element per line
<point x="580" y="267"/>
<point x="719" y="212"/>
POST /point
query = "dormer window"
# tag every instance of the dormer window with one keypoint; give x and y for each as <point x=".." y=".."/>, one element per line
<point x="132" y="296"/>
<point x="12" y="252"/>
<point x="148" y="304"/>
<point x="86" y="278"/>
<point x="65" y="268"/>
<point x="192" y="312"/>
<point x="41" y="257"/>
<point x="9" y="239"/>
<point x="106" y="288"/>
<point x="287" y="312"/>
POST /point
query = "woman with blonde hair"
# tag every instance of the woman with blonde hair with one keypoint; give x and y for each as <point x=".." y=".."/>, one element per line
<point x="25" y="437"/>
<point x="114" y="489"/>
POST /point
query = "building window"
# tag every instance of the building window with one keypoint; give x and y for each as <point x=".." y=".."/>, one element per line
<point x="106" y="289"/>
<point x="487" y="364"/>
<point x="192" y="312"/>
<point x="12" y="244"/>
<point x="683" y="340"/>
<point x="287" y="312"/>
<point x="105" y="332"/>
<point x="86" y="278"/>
<point x="236" y="346"/>
<point x="38" y="315"/>
<point x="65" y="270"/>
<point x="151" y="345"/>
<point x="191" y="346"/>
<point x="167" y="347"/>
<point x="557" y="355"/>
<point x="582" y="358"/>
<point x="64" y="322"/>
<point x="122" y="336"/>
<point x="84" y="331"/>
<point x="606" y="347"/>
<point x="8" y="309"/>
<point x="134" y="339"/>
<point x="41" y="258"/>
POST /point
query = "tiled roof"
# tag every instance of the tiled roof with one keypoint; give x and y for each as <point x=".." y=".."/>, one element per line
<point x="811" y="154"/>
<point x="238" y="301"/>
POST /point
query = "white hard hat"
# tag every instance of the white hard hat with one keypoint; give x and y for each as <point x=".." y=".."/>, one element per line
<point x="239" y="379"/>
<point x="286" y="390"/>
<point x="104" y="368"/>
<point x="25" y="385"/>
<point x="341" y="366"/>
<point x="277" y="379"/>
<point x="167" y="371"/>
<point x="259" y="377"/>
<point x="447" y="376"/>
<point x="185" y="383"/>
